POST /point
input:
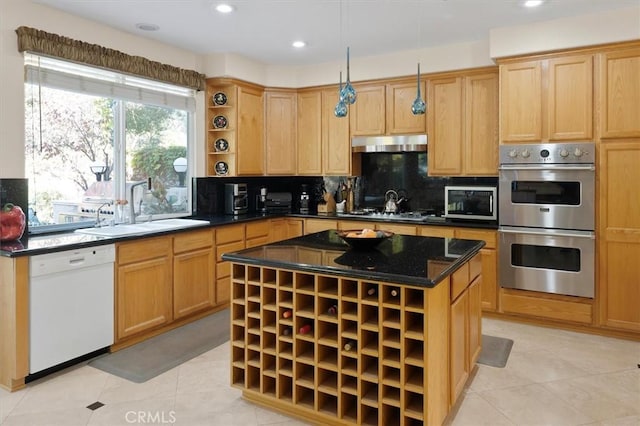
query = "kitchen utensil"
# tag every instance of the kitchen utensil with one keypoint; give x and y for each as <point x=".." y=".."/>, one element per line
<point x="390" y="197"/>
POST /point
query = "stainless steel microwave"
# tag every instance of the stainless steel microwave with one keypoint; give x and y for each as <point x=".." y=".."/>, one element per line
<point x="471" y="202"/>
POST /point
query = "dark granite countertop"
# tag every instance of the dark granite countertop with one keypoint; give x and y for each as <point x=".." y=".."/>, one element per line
<point x="49" y="243"/>
<point x="401" y="259"/>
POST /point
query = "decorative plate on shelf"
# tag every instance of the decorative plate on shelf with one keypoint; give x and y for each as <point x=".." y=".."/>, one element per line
<point x="220" y="122"/>
<point x="222" y="168"/>
<point x="220" y="99"/>
<point x="221" y="145"/>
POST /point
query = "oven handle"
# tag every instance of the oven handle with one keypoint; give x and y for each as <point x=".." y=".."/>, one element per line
<point x="589" y="167"/>
<point x="548" y="232"/>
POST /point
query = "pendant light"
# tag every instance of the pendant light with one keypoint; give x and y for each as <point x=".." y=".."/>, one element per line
<point x="418" y="107"/>
<point x="348" y="93"/>
<point x="341" y="107"/>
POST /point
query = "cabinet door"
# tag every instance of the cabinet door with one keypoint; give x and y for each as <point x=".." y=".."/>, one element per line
<point x="309" y="128"/>
<point x="489" y="287"/>
<point x="475" y="321"/>
<point x="367" y="115"/>
<point x="249" y="141"/>
<point x="280" y="133"/>
<point x="481" y="125"/>
<point x="193" y="282"/>
<point x="459" y="361"/>
<point x="400" y="119"/>
<point x="570" y="99"/>
<point x="336" y="145"/>
<point x="397" y="228"/>
<point x="294" y="227"/>
<point x="521" y="102"/>
<point x="436" y="231"/>
<point x="143" y="292"/>
<point x="446" y="112"/>
<point x="619" y="235"/>
<point x="620" y="93"/>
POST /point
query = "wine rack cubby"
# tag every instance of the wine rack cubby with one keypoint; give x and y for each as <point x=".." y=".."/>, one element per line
<point x="341" y="350"/>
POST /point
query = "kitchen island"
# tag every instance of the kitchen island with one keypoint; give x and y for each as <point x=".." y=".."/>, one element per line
<point x="338" y="336"/>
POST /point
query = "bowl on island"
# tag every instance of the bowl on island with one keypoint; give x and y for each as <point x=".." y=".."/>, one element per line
<point x="363" y="239"/>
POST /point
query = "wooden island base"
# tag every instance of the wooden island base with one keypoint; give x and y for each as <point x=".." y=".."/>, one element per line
<point x="376" y="353"/>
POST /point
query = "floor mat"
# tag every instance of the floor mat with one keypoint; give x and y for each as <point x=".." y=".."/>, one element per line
<point x="152" y="357"/>
<point x="495" y="351"/>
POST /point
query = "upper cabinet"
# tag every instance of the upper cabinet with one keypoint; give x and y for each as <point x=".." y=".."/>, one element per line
<point x="336" y="144"/>
<point x="234" y="128"/>
<point x="309" y="133"/>
<point x="324" y="147"/>
<point x="385" y="109"/>
<point x="462" y="114"/>
<point x="546" y="99"/>
<point x="280" y="132"/>
<point x="620" y="93"/>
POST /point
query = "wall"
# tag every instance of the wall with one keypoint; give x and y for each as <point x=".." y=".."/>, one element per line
<point x="604" y="27"/>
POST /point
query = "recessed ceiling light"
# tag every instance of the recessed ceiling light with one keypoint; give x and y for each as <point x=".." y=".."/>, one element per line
<point x="224" y="8"/>
<point x="298" y="44"/>
<point x="147" y="27"/>
<point x="533" y="3"/>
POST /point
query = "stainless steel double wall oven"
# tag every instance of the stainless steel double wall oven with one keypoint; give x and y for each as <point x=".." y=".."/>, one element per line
<point x="547" y="218"/>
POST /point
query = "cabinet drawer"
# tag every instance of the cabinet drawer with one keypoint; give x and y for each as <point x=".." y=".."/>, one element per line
<point x="527" y="303"/>
<point x="257" y="229"/>
<point x="255" y="242"/>
<point x="435" y="231"/>
<point x="317" y="225"/>
<point x="192" y="240"/>
<point x="229" y="234"/>
<point x="397" y="229"/>
<point x="147" y="248"/>
<point x="225" y="248"/>
<point x="489" y="237"/>
<point x="459" y="281"/>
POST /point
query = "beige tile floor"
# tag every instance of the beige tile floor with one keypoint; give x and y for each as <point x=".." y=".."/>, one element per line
<point x="553" y="377"/>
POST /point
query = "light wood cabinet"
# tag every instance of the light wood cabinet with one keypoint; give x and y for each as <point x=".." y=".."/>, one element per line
<point x="462" y="121"/>
<point x="193" y="272"/>
<point x="400" y="119"/>
<point x="228" y="238"/>
<point x="284" y="228"/>
<point x="619" y="95"/>
<point x="240" y="123"/>
<point x="465" y="325"/>
<point x="143" y="285"/>
<point x="619" y="234"/>
<point x="385" y="109"/>
<point x="317" y="225"/>
<point x="336" y="144"/>
<point x="280" y="132"/>
<point x="367" y="116"/>
<point x="548" y="99"/>
<point x="257" y="233"/>
<point x="309" y="133"/>
<point x="489" y="259"/>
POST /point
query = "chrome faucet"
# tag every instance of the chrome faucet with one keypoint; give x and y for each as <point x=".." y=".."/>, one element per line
<point x="132" y="209"/>
<point x="98" y="224"/>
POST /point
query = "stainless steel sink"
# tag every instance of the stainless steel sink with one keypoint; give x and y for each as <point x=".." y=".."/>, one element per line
<point x="123" y="230"/>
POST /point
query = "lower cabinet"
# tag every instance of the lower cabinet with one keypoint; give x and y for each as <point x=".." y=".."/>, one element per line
<point x="193" y="273"/>
<point x="317" y="225"/>
<point x="284" y="228"/>
<point x="465" y="325"/>
<point x="228" y="238"/>
<point x="143" y="286"/>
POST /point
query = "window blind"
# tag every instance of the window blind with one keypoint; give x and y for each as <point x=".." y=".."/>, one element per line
<point x="49" y="72"/>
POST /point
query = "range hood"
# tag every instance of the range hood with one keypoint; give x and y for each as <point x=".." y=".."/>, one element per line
<point x="396" y="143"/>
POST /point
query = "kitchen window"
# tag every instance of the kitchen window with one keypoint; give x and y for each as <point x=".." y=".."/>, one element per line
<point x="91" y="134"/>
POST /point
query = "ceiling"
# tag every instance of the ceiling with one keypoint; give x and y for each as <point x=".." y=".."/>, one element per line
<point x="263" y="30"/>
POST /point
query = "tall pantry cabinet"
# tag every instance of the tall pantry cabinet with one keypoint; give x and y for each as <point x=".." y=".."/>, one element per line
<point x="619" y="177"/>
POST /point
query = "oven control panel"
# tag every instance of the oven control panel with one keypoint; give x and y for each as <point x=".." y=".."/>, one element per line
<point x="548" y="153"/>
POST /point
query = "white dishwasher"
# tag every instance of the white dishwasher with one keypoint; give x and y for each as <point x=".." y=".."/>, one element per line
<point x="71" y="305"/>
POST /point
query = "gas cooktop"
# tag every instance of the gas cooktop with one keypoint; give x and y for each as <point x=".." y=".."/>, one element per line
<point x="416" y="216"/>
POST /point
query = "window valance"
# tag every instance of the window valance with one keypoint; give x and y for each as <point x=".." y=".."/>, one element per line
<point x="44" y="43"/>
